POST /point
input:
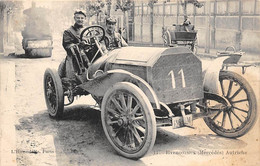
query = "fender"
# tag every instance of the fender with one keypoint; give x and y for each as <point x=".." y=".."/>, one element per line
<point x="210" y="72"/>
<point x="99" y="85"/>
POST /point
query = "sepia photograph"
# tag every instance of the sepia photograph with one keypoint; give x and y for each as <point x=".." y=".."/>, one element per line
<point x="129" y="82"/>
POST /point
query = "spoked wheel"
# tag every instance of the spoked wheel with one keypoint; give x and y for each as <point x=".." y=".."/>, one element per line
<point x="53" y="92"/>
<point x="128" y="120"/>
<point x="237" y="119"/>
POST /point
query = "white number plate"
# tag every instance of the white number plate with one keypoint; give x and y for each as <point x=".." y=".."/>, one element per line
<point x="178" y="122"/>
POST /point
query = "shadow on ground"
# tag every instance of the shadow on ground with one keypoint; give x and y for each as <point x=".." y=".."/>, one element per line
<point x="13" y="55"/>
<point x="169" y="141"/>
<point x="79" y="138"/>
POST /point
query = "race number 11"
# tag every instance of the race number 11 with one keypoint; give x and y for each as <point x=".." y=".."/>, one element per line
<point x="171" y="73"/>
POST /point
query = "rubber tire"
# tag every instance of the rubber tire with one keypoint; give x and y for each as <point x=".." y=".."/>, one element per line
<point x="251" y="96"/>
<point x="148" y="110"/>
<point x="54" y="113"/>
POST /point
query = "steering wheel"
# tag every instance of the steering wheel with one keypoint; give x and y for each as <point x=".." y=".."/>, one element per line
<point x="89" y="33"/>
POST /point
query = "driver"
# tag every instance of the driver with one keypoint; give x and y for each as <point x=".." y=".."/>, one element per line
<point x="71" y="36"/>
<point x="71" y="39"/>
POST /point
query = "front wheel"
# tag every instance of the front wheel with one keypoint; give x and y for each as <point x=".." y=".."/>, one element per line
<point x="128" y="120"/>
<point x="239" y="118"/>
<point x="53" y="92"/>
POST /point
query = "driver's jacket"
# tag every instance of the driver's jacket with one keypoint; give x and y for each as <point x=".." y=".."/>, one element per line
<point x="71" y="37"/>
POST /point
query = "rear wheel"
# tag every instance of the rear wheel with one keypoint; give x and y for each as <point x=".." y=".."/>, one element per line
<point x="239" y="118"/>
<point x="128" y="120"/>
<point x="53" y="92"/>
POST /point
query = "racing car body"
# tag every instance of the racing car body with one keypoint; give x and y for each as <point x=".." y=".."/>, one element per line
<point x="140" y="88"/>
<point x="175" y="74"/>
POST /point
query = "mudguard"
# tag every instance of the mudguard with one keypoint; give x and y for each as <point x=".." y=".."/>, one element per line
<point x="210" y="71"/>
<point x="99" y="85"/>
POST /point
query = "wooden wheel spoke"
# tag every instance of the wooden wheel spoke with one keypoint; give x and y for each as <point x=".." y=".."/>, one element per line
<point x="122" y="100"/>
<point x="110" y="122"/>
<point x="114" y="112"/>
<point x="136" y="135"/>
<point x="216" y="115"/>
<point x="236" y="116"/>
<point x="239" y="101"/>
<point x="240" y="109"/>
<point x="125" y="136"/>
<point x="129" y="103"/>
<point x="222" y="87"/>
<point x="223" y="119"/>
<point x="119" y="108"/>
<point x="135" y="109"/>
<point x="231" y="122"/>
<point x="115" y="134"/>
<point x="229" y="88"/>
<point x="131" y="139"/>
<point x="140" y="128"/>
<point x="236" y="93"/>
<point x="139" y="118"/>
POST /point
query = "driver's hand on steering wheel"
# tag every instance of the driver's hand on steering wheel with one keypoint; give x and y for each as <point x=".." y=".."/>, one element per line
<point x="83" y="44"/>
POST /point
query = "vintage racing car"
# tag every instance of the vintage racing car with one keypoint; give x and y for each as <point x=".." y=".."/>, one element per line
<point x="141" y="88"/>
<point x="181" y="35"/>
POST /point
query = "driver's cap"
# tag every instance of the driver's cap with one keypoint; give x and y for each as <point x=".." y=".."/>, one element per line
<point x="78" y="11"/>
<point x="111" y="20"/>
